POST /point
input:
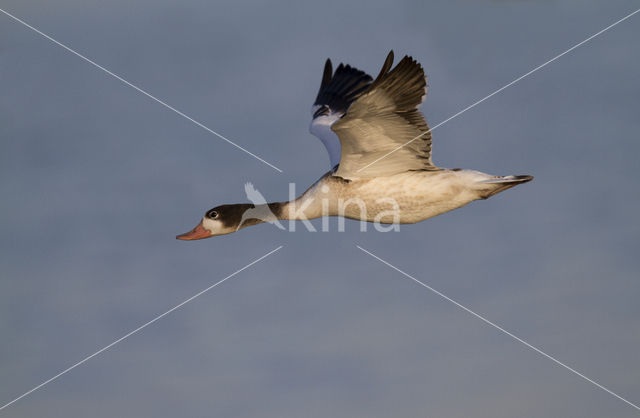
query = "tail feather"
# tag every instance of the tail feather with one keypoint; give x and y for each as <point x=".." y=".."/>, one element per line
<point x="508" y="179"/>
<point x="500" y="184"/>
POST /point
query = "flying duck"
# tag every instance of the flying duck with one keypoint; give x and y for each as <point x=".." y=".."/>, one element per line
<point x="379" y="146"/>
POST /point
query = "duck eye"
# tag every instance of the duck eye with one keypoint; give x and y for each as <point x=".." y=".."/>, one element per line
<point x="213" y="214"/>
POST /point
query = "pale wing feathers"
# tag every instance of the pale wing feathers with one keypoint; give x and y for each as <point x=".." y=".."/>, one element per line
<point x="337" y="91"/>
<point x="384" y="118"/>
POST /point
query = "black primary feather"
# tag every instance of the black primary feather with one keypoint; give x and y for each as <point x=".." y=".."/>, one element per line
<point x="338" y="90"/>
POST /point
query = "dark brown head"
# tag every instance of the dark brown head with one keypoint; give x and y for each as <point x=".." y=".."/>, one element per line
<point x="220" y="220"/>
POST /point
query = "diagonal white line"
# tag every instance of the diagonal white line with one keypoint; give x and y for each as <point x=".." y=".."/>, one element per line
<point x="141" y="327"/>
<point x="499" y="328"/>
<point x="504" y="87"/>
<point x="139" y="89"/>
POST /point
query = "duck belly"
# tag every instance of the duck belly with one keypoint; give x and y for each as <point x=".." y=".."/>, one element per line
<point x="407" y="197"/>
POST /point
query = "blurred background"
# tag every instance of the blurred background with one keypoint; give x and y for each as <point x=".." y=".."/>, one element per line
<point x="96" y="180"/>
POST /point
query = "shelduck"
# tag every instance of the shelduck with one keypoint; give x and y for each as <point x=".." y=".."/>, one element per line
<point x="379" y="146"/>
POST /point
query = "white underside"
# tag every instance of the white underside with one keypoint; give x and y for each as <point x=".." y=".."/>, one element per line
<point x="407" y="197"/>
<point x="321" y="128"/>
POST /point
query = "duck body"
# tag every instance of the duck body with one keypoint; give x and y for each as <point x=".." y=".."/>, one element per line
<point x="405" y="198"/>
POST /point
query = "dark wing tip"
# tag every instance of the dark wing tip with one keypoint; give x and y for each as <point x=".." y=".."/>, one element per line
<point x="340" y="88"/>
<point x="388" y="62"/>
<point x="326" y="75"/>
<point x="405" y="83"/>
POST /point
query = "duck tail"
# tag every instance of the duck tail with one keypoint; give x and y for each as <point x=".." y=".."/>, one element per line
<point x="496" y="185"/>
<point x="508" y="179"/>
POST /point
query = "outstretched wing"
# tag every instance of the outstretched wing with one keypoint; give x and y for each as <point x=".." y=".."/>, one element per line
<point x="337" y="91"/>
<point x="383" y="132"/>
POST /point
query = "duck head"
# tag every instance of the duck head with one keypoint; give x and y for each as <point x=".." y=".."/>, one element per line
<point x="220" y="220"/>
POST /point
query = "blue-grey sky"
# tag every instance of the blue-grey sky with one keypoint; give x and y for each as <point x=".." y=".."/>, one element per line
<point x="97" y="179"/>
